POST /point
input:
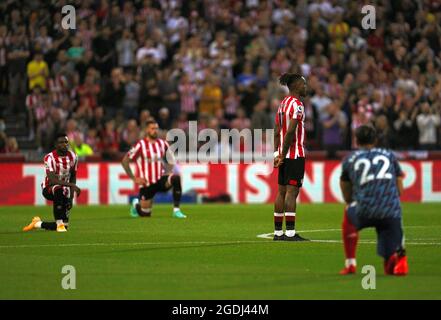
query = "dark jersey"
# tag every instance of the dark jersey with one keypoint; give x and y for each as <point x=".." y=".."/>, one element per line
<point x="373" y="174"/>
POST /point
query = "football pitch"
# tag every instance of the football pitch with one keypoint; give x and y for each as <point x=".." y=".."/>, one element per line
<point x="213" y="254"/>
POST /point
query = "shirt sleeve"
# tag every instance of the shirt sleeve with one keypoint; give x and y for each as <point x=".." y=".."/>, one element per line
<point x="297" y="111"/>
<point x="48" y="165"/>
<point x="134" y="152"/>
<point x="398" y="171"/>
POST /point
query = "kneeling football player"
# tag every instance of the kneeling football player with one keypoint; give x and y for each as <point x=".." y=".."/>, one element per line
<point x="59" y="185"/>
<point x="371" y="183"/>
<point x="155" y="164"/>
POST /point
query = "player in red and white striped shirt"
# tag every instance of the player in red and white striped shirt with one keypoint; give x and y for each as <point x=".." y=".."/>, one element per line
<point x="290" y="155"/>
<point x="59" y="185"/>
<point x="154" y="164"/>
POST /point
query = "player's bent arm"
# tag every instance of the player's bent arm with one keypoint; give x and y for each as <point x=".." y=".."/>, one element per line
<point x="126" y="165"/>
<point x="346" y="190"/>
<point x="289" y="137"/>
<point x="400" y="185"/>
<point x="169" y="162"/>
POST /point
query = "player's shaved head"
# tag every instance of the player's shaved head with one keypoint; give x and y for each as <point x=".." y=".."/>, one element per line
<point x="365" y="135"/>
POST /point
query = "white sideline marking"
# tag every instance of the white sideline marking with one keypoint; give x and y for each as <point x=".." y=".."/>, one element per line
<point x="261" y="236"/>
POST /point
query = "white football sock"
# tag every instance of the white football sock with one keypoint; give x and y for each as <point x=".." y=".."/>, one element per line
<point x="38" y="224"/>
<point x="350" y="262"/>
<point x="290" y="233"/>
<point x="176" y="209"/>
<point x="278" y="233"/>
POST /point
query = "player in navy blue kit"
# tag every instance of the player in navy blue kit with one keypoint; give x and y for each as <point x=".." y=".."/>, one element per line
<point x="371" y="183"/>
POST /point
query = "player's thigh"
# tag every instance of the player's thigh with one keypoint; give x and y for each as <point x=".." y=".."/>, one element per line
<point x="165" y="183"/>
<point x="281" y="177"/>
<point x="389" y="236"/>
<point x="47" y="194"/>
<point x="294" y="172"/>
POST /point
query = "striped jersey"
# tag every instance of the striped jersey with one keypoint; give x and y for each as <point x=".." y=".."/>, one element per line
<point x="292" y="108"/>
<point x="373" y="174"/>
<point x="62" y="166"/>
<point x="148" y="156"/>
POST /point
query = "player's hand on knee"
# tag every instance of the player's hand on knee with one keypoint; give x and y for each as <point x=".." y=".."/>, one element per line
<point x="139" y="180"/>
<point x="76" y="190"/>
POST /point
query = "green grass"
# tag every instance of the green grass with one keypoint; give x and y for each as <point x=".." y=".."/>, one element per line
<point x="214" y="254"/>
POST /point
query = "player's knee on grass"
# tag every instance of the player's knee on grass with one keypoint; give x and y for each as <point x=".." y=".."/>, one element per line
<point x="144" y="209"/>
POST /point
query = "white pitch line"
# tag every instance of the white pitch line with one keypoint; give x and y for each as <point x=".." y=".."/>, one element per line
<point x="110" y="244"/>
<point x="267" y="236"/>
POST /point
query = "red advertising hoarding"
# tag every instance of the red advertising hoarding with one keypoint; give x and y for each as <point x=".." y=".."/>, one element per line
<point x="106" y="183"/>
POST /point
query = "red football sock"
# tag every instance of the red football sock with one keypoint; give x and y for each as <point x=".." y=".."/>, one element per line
<point x="350" y="237"/>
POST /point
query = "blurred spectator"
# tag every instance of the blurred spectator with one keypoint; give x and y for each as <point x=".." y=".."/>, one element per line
<point x="4" y="43"/>
<point x="231" y="103"/>
<point x="168" y="89"/>
<point x="12" y="145"/>
<point x="132" y="94"/>
<point x="188" y="95"/>
<point x="114" y="93"/>
<point x="211" y="96"/>
<point x="129" y="136"/>
<point x="241" y="121"/>
<point x="103" y="48"/>
<point x="384" y="133"/>
<point x="321" y="101"/>
<point x="81" y="148"/>
<point x="125" y="48"/>
<point x="164" y="120"/>
<point x="404" y="127"/>
<point x="109" y="141"/>
<point x="260" y="118"/>
<point x="18" y="53"/>
<point x="92" y="139"/>
<point x="38" y="72"/>
<point x="334" y="129"/>
<point x="428" y="122"/>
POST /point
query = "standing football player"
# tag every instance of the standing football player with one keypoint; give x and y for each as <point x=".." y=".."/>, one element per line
<point x="155" y="164"/>
<point x="371" y="183"/>
<point x="289" y="156"/>
<point x="59" y="186"/>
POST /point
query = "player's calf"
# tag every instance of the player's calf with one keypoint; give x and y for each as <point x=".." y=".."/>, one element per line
<point x="350" y="239"/>
<point x="175" y="181"/>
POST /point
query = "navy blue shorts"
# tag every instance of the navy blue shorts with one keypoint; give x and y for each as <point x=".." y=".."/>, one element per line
<point x="389" y="231"/>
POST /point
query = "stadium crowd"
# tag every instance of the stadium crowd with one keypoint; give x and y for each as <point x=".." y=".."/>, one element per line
<point x="218" y="62"/>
